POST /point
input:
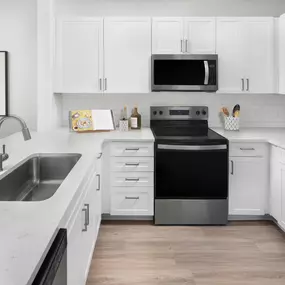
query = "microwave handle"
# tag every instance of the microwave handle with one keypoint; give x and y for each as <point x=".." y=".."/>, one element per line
<point x="207" y="72"/>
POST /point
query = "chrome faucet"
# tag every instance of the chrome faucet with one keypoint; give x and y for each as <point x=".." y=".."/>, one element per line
<point x="25" y="131"/>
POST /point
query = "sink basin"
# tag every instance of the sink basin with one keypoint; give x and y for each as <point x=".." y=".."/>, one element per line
<point x="37" y="178"/>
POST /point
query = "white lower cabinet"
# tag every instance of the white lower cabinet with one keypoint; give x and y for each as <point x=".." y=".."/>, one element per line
<point x="131" y="201"/>
<point x="131" y="179"/>
<point x="247" y="186"/>
<point x="82" y="232"/>
<point x="275" y="202"/>
<point x="282" y="221"/>
<point x="248" y="180"/>
<point x="277" y="185"/>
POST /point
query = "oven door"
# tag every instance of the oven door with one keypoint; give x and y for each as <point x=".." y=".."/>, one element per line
<point x="184" y="73"/>
<point x="191" y="172"/>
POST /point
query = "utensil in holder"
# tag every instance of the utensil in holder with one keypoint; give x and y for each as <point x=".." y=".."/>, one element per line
<point x="124" y="125"/>
<point x="231" y="123"/>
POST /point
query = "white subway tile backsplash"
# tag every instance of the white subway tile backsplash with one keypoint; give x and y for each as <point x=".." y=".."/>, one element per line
<point x="257" y="110"/>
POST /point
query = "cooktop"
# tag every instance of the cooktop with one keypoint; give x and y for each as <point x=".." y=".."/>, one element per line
<point x="183" y="125"/>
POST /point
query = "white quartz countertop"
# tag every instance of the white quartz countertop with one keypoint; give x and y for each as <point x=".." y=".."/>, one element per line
<point x="28" y="228"/>
<point x="274" y="136"/>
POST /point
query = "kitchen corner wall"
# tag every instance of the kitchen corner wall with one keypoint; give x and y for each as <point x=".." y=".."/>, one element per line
<point x="18" y="27"/>
<point x="257" y="110"/>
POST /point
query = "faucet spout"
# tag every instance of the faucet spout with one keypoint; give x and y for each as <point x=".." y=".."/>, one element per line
<point x="25" y="130"/>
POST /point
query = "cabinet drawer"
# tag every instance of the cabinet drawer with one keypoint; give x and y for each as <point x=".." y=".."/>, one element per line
<point x="132" y="201"/>
<point x="248" y="149"/>
<point x="132" y="149"/>
<point x="132" y="164"/>
<point x="126" y="179"/>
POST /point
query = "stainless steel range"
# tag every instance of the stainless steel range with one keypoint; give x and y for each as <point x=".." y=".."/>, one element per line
<point x="191" y="168"/>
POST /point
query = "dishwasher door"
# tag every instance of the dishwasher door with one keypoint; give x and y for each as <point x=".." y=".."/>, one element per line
<point x="54" y="268"/>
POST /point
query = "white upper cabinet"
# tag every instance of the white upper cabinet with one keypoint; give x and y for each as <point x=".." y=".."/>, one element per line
<point x="78" y="55"/>
<point x="259" y="62"/>
<point x="127" y="53"/>
<point x="167" y="35"/>
<point x="245" y="47"/>
<point x="193" y="35"/>
<point x="281" y="36"/>
<point x="200" y="35"/>
<point x="231" y="55"/>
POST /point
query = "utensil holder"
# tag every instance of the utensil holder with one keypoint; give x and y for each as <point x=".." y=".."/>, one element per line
<point x="231" y="123"/>
<point x="124" y="125"/>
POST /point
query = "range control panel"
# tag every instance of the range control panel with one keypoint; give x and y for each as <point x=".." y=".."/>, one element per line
<point x="179" y="113"/>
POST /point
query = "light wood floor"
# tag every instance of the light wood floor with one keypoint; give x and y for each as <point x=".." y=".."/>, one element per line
<point x="239" y="254"/>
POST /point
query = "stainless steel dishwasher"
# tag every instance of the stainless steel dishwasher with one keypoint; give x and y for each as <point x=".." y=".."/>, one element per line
<point x="54" y="268"/>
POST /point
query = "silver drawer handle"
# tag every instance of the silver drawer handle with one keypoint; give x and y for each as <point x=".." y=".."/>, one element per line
<point x="132" y="179"/>
<point x="99" y="182"/>
<point x="87" y="215"/>
<point x="250" y="148"/>
<point x="132" y="164"/>
<point x="132" y="198"/>
<point x="132" y="149"/>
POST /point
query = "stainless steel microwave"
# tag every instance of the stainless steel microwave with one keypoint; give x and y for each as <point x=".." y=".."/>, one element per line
<point x="185" y="72"/>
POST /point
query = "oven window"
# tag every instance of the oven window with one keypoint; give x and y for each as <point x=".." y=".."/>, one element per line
<point x="191" y="174"/>
<point x="179" y="72"/>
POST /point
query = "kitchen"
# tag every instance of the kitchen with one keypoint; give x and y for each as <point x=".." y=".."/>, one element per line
<point x="82" y="55"/>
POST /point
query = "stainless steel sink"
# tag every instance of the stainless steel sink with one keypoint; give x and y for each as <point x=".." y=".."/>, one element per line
<point x="37" y="178"/>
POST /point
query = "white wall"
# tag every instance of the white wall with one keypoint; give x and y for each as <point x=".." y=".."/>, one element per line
<point x="18" y="36"/>
<point x="256" y="110"/>
<point x="171" y="7"/>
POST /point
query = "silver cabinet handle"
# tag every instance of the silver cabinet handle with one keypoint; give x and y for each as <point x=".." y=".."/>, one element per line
<point x="132" y="179"/>
<point x="100" y="84"/>
<point x="242" y="84"/>
<point x="84" y="210"/>
<point x="181" y="46"/>
<point x="88" y="214"/>
<point x="99" y="182"/>
<point x="132" y="149"/>
<point x="186" y="45"/>
<point x="207" y="71"/>
<point x="132" y="198"/>
<point x="105" y="84"/>
<point x="132" y="164"/>
<point x="249" y="148"/>
<point x="247" y="81"/>
<point x="232" y="165"/>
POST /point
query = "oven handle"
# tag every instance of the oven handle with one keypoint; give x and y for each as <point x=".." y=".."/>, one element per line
<point x="207" y="72"/>
<point x="192" y="147"/>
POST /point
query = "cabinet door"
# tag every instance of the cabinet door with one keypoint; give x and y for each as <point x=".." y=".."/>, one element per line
<point x="259" y="63"/>
<point x="248" y="185"/>
<point x="79" y="55"/>
<point x="281" y="36"/>
<point x="167" y="35"/>
<point x="230" y="49"/>
<point x="275" y="184"/>
<point x="90" y="218"/>
<point x="200" y="35"/>
<point x="98" y="199"/>
<point x="282" y="173"/>
<point x="127" y="50"/>
<point x="75" y="255"/>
